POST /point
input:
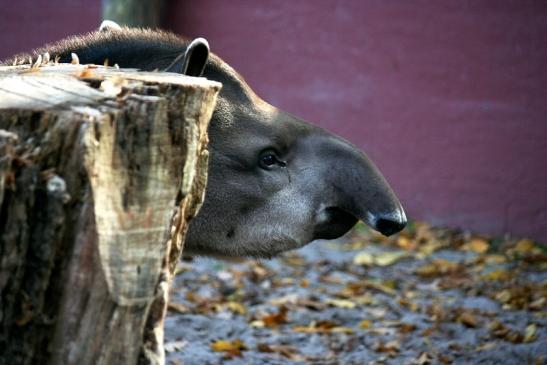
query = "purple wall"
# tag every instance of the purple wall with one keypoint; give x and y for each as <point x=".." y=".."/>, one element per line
<point x="449" y="98"/>
<point x="27" y="24"/>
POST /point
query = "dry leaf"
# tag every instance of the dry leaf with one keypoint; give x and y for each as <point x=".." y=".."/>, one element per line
<point x="286" y="351"/>
<point x="486" y="346"/>
<point x="304" y="283"/>
<point x="406" y="243"/>
<point x="391" y="346"/>
<point x="495" y="259"/>
<point x="468" y="319"/>
<point x="477" y="245"/>
<point x="231" y="348"/>
<point x="257" y="324"/>
<point x="236" y="308"/>
<point x="406" y="327"/>
<point x="504" y="296"/>
<point x="365" y="324"/>
<point x="429" y="248"/>
<point x="379" y="259"/>
<point x="341" y="303"/>
<point x="498" y="275"/>
<point x="322" y="327"/>
<point x="423" y="359"/>
<point x="438" y="267"/>
<point x="530" y="333"/>
<point x="276" y="319"/>
<point x="524" y="247"/>
<point x="413" y="306"/>
<point x="538" y="304"/>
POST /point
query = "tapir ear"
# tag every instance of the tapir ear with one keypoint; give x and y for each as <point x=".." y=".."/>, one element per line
<point x="194" y="59"/>
<point x="108" y="26"/>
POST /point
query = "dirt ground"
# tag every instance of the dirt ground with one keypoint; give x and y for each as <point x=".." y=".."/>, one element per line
<point x="425" y="296"/>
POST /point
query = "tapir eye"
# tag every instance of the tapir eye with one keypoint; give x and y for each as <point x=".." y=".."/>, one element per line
<point x="268" y="159"/>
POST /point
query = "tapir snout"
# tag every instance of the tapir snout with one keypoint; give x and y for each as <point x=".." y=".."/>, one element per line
<point x="275" y="182"/>
<point x="354" y="189"/>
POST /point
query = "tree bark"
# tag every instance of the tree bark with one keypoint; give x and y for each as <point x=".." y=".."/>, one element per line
<point x="100" y="172"/>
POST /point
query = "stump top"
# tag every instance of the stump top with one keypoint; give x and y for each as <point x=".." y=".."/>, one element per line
<point x="67" y="85"/>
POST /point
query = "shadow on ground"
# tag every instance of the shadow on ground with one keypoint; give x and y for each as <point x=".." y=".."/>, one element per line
<point x="425" y="296"/>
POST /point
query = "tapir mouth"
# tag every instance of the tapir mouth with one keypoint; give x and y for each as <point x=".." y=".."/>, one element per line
<point x="334" y="222"/>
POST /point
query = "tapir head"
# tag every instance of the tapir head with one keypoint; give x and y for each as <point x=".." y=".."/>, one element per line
<point x="275" y="182"/>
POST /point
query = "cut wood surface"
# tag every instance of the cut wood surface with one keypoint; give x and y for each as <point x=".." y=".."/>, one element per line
<point x="100" y="171"/>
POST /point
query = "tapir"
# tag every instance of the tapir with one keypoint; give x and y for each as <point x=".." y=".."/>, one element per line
<point x="275" y="182"/>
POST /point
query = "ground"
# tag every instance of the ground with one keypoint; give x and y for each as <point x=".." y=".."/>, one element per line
<point x="425" y="296"/>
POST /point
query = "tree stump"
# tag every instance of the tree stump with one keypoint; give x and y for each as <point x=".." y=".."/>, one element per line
<point x="101" y="170"/>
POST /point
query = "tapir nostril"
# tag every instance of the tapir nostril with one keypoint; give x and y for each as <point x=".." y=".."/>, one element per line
<point x="391" y="224"/>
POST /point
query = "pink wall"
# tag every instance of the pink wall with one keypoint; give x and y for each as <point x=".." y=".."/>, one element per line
<point x="449" y="98"/>
<point x="27" y="24"/>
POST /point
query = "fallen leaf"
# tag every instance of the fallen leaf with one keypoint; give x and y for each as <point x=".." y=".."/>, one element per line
<point x="276" y="319"/>
<point x="504" y="296"/>
<point x="257" y="324"/>
<point x="231" y="348"/>
<point x="259" y="272"/>
<point x="341" y="303"/>
<point x="530" y="333"/>
<point x="363" y="258"/>
<point x="406" y="243"/>
<point x="391" y="346"/>
<point x="538" y="304"/>
<point x="429" y="248"/>
<point x="406" y="327"/>
<point x="379" y="259"/>
<point x="468" y="319"/>
<point x="499" y="330"/>
<point x="284" y="350"/>
<point x="444" y="359"/>
<point x="477" y="245"/>
<point x="438" y="267"/>
<point x="264" y="347"/>
<point x="386" y="289"/>
<point x="498" y="275"/>
<point x="322" y="327"/>
<point x="423" y="359"/>
<point x="237" y="308"/>
<point x="413" y="306"/>
<point x="486" y="346"/>
<point x="365" y="324"/>
<point x="495" y="259"/>
<point x="287" y="299"/>
<point x="524" y="247"/>
<point x="294" y="259"/>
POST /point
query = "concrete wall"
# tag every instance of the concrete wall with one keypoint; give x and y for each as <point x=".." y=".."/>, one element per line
<point x="449" y="98"/>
